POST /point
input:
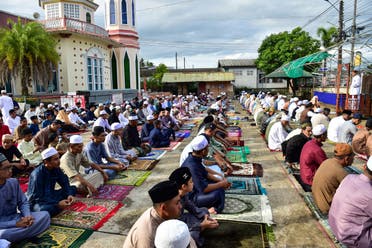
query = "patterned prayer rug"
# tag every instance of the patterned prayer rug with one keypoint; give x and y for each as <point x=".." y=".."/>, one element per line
<point x="87" y="213"/>
<point x="130" y="178"/>
<point x="58" y="236"/>
<point x="153" y="155"/>
<point x="244" y="149"/>
<point x="173" y="146"/>
<point x="246" y="208"/>
<point x="236" y="234"/>
<point x="237" y="156"/>
<point x="142" y="164"/>
<point x="244" y="186"/>
<point x="112" y="192"/>
<point x="248" y="170"/>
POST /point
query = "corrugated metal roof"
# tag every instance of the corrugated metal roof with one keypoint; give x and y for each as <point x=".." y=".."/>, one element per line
<point x="177" y="77"/>
<point x="236" y="62"/>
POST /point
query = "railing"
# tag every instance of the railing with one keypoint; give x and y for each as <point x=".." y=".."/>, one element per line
<point x="75" y="26"/>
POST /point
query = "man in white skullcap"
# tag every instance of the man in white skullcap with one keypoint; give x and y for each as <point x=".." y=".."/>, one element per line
<point x="207" y="194"/>
<point x="292" y="106"/>
<point x="75" y="120"/>
<point x="71" y="163"/>
<point x="41" y="191"/>
<point x="312" y="155"/>
<point x="131" y="139"/>
<point x="172" y="234"/>
<point x="6" y="104"/>
<point x="115" y="148"/>
<point x="278" y="134"/>
<point x="146" y="128"/>
<point x="102" y="121"/>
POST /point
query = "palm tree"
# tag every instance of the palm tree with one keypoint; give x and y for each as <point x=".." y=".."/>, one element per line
<point x="27" y="52"/>
<point x="328" y="37"/>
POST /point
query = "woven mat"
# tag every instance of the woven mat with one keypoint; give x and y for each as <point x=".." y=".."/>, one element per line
<point x="153" y="155"/>
<point x="142" y="164"/>
<point x="246" y="208"/>
<point x="130" y="178"/>
<point x="112" y="192"/>
<point x="248" y="170"/>
<point x="244" y="186"/>
<point x="236" y="234"/>
<point x="237" y="156"/>
<point x="58" y="236"/>
<point x="173" y="146"/>
<point x="87" y="213"/>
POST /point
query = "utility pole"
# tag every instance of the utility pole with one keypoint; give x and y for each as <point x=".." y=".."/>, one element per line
<point x="184" y="63"/>
<point x="176" y="61"/>
<point x="353" y="31"/>
<point x="339" y="59"/>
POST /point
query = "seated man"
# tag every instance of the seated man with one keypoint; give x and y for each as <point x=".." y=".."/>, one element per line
<point x="131" y="138"/>
<point x="348" y="129"/>
<point x="71" y="161"/>
<point x="359" y="142"/>
<point x="13" y="121"/>
<point x="157" y="137"/>
<point x="166" y="205"/>
<point x="96" y="151"/>
<point x="329" y="176"/>
<point x="146" y="128"/>
<point x="197" y="219"/>
<point x="102" y="121"/>
<point x="312" y="155"/>
<point x="48" y="120"/>
<point x="114" y="146"/>
<point x="350" y="215"/>
<point x="18" y="131"/>
<point x="17" y="222"/>
<point x="11" y="151"/>
<point x="209" y="191"/>
<point x="34" y="125"/>
<point x="42" y="138"/>
<point x="75" y="120"/>
<point x="28" y="149"/>
<point x="278" y="133"/>
<point x="41" y="189"/>
<point x="335" y="125"/>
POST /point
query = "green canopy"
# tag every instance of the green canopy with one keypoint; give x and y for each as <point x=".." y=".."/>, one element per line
<point x="295" y="68"/>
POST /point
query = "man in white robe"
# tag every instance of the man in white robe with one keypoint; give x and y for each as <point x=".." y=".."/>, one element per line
<point x="278" y="133"/>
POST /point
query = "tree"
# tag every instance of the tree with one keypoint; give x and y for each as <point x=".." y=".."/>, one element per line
<point x="328" y="37"/>
<point x="281" y="48"/>
<point x="27" y="51"/>
<point x="155" y="82"/>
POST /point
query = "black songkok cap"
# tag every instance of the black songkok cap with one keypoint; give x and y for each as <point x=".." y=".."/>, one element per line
<point x="163" y="191"/>
<point x="180" y="176"/>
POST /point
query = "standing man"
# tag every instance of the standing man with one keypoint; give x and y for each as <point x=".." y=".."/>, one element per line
<point x="6" y="104"/>
<point x="354" y="90"/>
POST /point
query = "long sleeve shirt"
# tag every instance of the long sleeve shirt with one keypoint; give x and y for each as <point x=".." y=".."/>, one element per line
<point x="158" y="139"/>
<point x="312" y="155"/>
<point x="27" y="150"/>
<point x="145" y="132"/>
<point x="131" y="137"/>
<point x="114" y="147"/>
<point x="95" y="152"/>
<point x="103" y="123"/>
<point x="75" y="119"/>
<point x="277" y="136"/>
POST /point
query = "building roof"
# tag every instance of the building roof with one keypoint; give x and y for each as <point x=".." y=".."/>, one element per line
<point x="180" y="77"/>
<point x="237" y="63"/>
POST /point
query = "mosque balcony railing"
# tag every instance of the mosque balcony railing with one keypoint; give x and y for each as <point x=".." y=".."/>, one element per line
<point x="68" y="24"/>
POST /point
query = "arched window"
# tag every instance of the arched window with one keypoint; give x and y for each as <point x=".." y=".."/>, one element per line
<point x="133" y="14"/>
<point x="127" y="71"/>
<point x="95" y="69"/>
<point x="114" y="71"/>
<point x="124" y="15"/>
<point x="88" y="18"/>
<point x="112" y="12"/>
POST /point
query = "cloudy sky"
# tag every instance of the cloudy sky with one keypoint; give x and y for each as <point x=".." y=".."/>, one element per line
<point x="204" y="31"/>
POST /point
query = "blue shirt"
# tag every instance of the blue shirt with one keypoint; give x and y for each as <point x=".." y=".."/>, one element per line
<point x="198" y="172"/>
<point x="41" y="189"/>
<point x="35" y="128"/>
<point x="158" y="139"/>
<point x="145" y="132"/>
<point x="95" y="152"/>
<point x="46" y="123"/>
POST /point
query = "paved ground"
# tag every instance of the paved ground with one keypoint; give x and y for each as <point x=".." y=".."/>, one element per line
<point x="294" y="224"/>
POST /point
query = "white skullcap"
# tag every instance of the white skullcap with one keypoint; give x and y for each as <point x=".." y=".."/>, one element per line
<point x="100" y="105"/>
<point x="305" y="102"/>
<point x="296" y="99"/>
<point x="133" y="117"/>
<point x="199" y="143"/>
<point x="172" y="234"/>
<point x="299" y="103"/>
<point x="145" y="103"/>
<point x="126" y="102"/>
<point x="56" y="103"/>
<point x="50" y="106"/>
<point x="116" y="126"/>
<point x="150" y="117"/>
<point x="68" y="109"/>
<point x="215" y="106"/>
<point x="285" y="118"/>
<point x="3" y="91"/>
<point x="113" y="102"/>
<point x="47" y="153"/>
<point x="76" y="139"/>
<point x="127" y="107"/>
<point x="369" y="163"/>
<point x="117" y="108"/>
<point x="41" y="104"/>
<point x="319" y="130"/>
<point x="103" y="112"/>
<point x="318" y="110"/>
<point x="83" y="113"/>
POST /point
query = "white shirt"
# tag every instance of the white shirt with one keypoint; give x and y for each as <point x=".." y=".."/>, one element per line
<point x="6" y="104"/>
<point x="12" y="123"/>
<point x="299" y="112"/>
<point x="291" y="107"/>
<point x="276" y="136"/>
<point x="102" y="122"/>
<point x="333" y="128"/>
<point x="185" y="153"/>
<point x="123" y="121"/>
<point x="318" y="119"/>
<point x="355" y="86"/>
<point x="28" y="115"/>
<point x="293" y="133"/>
<point x="75" y="119"/>
<point x="40" y="111"/>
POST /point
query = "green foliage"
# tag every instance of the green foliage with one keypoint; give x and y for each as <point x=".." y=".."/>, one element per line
<point x="328" y="37"/>
<point x="27" y="51"/>
<point x="278" y="49"/>
<point x="155" y="82"/>
<point x="147" y="63"/>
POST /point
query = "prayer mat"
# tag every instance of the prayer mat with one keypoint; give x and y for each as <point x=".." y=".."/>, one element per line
<point x="153" y="155"/>
<point x="244" y="186"/>
<point x="173" y="146"/>
<point x="352" y="170"/>
<point x="130" y="178"/>
<point x="237" y="133"/>
<point x="248" y="170"/>
<point x="58" y="236"/>
<point x="23" y="183"/>
<point x="187" y="126"/>
<point x="237" y="156"/>
<point x="87" y="213"/>
<point x="183" y="134"/>
<point x="246" y="208"/>
<point x="142" y="164"/>
<point x="236" y="234"/>
<point x="112" y="192"/>
<point x="244" y="149"/>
